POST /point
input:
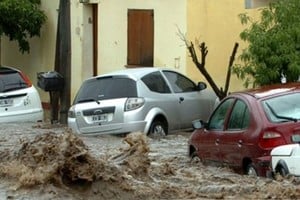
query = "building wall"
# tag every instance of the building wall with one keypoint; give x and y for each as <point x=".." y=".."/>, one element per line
<point x="212" y="21"/>
<point x="42" y="49"/>
<point x="169" y="50"/>
<point x="167" y="45"/>
<point x="112" y="35"/>
<point x="217" y="24"/>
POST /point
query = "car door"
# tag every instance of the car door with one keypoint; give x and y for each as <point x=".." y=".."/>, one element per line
<point x="209" y="143"/>
<point x="162" y="98"/>
<point x="231" y="143"/>
<point x="192" y="103"/>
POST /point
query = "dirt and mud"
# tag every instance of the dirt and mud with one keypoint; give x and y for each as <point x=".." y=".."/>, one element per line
<point x="43" y="161"/>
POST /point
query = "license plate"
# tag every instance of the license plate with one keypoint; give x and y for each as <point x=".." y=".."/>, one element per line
<point x="100" y="118"/>
<point x="6" y="102"/>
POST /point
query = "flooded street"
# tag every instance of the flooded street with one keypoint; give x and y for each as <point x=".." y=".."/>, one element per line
<point x="42" y="161"/>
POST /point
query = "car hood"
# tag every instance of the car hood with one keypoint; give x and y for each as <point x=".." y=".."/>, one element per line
<point x="284" y="150"/>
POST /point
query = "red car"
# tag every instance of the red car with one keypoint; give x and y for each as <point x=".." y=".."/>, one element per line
<point x="246" y="126"/>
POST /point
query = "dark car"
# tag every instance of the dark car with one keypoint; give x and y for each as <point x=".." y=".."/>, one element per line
<point x="246" y="126"/>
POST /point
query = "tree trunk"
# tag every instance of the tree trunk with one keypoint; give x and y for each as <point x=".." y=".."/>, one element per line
<point x="201" y="66"/>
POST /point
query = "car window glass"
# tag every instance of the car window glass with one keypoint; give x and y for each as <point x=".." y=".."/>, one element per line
<point x="240" y="117"/>
<point x="283" y="108"/>
<point x="11" y="81"/>
<point x="106" y="88"/>
<point x="179" y="83"/>
<point x="218" y="118"/>
<point x="156" y="83"/>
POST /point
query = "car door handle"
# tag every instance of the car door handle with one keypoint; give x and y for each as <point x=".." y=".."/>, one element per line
<point x="217" y="141"/>
<point x="181" y="99"/>
<point x="240" y="143"/>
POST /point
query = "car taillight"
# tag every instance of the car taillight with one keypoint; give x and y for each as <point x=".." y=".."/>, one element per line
<point x="134" y="103"/>
<point x="26" y="79"/>
<point x="271" y="140"/>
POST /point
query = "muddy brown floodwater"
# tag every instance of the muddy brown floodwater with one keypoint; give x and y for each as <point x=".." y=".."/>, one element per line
<point x="43" y="161"/>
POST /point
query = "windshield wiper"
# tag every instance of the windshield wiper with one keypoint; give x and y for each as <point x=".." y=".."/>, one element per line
<point x="279" y="116"/>
<point x="14" y="88"/>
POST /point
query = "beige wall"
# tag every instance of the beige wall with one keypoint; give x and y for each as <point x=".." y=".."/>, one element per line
<point x="112" y="39"/>
<point x="217" y="24"/>
<point x="167" y="45"/>
<point x="212" y="21"/>
<point x="42" y="49"/>
<point x="169" y="15"/>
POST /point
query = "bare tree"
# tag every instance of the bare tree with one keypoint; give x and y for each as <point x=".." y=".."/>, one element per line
<point x="200" y="64"/>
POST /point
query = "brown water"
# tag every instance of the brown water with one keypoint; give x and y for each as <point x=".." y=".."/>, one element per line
<point x="49" y="162"/>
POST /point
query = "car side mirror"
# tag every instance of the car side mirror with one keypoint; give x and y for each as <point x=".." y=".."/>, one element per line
<point x="296" y="138"/>
<point x="198" y="124"/>
<point x="201" y="86"/>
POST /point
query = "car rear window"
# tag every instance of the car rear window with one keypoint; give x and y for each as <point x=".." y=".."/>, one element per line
<point x="106" y="88"/>
<point x="11" y="80"/>
<point x="283" y="108"/>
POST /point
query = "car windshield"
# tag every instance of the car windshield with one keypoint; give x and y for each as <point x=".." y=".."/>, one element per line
<point x="283" y="108"/>
<point x="106" y="88"/>
<point x="11" y="81"/>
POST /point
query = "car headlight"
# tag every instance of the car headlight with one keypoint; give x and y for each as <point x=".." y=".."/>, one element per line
<point x="134" y="103"/>
<point x="71" y="112"/>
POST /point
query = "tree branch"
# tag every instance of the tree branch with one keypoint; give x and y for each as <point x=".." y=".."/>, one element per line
<point x="201" y="66"/>
<point x="232" y="57"/>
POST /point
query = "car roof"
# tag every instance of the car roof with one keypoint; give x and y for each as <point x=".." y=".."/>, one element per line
<point x="271" y="90"/>
<point x="135" y="73"/>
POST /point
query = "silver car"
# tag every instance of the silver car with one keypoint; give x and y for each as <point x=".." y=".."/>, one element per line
<point x="151" y="100"/>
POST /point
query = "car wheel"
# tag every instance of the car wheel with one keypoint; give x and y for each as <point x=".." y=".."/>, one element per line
<point x="250" y="170"/>
<point x="195" y="158"/>
<point x="158" y="129"/>
<point x="282" y="171"/>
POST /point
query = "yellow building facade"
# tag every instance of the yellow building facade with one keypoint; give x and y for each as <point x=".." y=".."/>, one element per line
<point x="99" y="37"/>
<point x="217" y="24"/>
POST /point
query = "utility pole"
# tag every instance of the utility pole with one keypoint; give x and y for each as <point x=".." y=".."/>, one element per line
<point x="63" y="60"/>
<point x="0" y="51"/>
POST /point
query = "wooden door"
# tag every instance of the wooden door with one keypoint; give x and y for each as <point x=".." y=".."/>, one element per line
<point x="140" y="38"/>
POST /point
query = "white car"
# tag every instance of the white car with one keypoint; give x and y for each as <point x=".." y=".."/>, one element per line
<point x="19" y="99"/>
<point x="285" y="159"/>
<point x="151" y="100"/>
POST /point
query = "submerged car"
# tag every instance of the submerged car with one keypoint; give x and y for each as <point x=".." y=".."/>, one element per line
<point x="286" y="158"/>
<point x="151" y="100"/>
<point x="19" y="99"/>
<point x="246" y="126"/>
